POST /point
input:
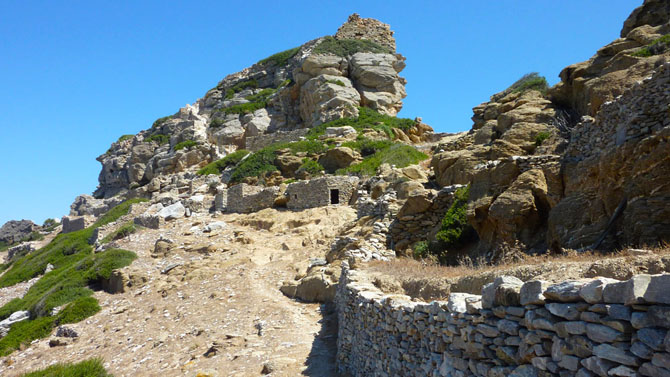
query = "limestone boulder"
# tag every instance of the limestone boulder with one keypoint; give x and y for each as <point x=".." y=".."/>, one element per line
<point x="325" y="98"/>
<point x="14" y="231"/>
<point x="419" y="201"/>
<point x="376" y="78"/>
<point x="288" y="164"/>
<point x="338" y="158"/>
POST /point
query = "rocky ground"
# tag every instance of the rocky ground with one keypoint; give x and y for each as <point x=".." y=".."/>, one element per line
<point x="218" y="310"/>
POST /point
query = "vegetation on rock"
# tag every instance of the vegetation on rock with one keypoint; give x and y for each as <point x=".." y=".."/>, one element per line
<point x="159" y="122"/>
<point x="397" y="154"/>
<point x="240" y="86"/>
<point x="367" y="119"/>
<point x="280" y="59"/>
<point x="185" y="144"/>
<point x="529" y="81"/>
<point x="86" y="368"/>
<point x="311" y="167"/>
<point x="158" y="138"/>
<point x="348" y="47"/>
<point x="658" y="46"/>
<point x="263" y="161"/>
<point x="455" y="231"/>
<point x="336" y="82"/>
<point x="541" y="137"/>
<point x="124" y="231"/>
<point x="244" y="108"/>
<point x="125" y="137"/>
<point x="218" y="166"/>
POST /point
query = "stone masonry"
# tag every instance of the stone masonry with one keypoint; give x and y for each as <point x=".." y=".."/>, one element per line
<point x="592" y="327"/>
<point x="245" y="198"/>
<point x="321" y="192"/>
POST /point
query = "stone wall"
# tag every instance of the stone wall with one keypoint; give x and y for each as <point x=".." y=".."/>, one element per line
<point x="600" y="327"/>
<point x="405" y="230"/>
<point x="317" y="192"/>
<point x="641" y="111"/>
<point x="255" y="143"/>
<point x="245" y="198"/>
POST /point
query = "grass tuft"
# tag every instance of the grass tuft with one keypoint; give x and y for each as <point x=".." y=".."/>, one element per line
<point x="125" y="137"/>
<point x="658" y="46"/>
<point x="86" y="368"/>
<point x="541" y="137"/>
<point x="530" y="81"/>
<point x="159" y="122"/>
<point x="158" y="138"/>
<point x="240" y="86"/>
<point x="124" y="231"/>
<point x="367" y="119"/>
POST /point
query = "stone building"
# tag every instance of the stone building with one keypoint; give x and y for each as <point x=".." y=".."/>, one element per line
<point x="321" y="192"/>
<point x="245" y="198"/>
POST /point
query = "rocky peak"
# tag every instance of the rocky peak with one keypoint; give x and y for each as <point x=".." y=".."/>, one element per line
<point x="652" y="13"/>
<point x="366" y="28"/>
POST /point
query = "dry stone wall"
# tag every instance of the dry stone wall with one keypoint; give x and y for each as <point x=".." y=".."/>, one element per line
<point x="320" y="192"/>
<point x="245" y="198"/>
<point x="641" y="111"/>
<point x="598" y="327"/>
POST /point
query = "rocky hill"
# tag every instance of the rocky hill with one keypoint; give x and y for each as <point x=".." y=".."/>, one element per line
<point x="214" y="232"/>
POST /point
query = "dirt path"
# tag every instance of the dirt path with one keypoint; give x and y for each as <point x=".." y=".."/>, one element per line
<point x="219" y="312"/>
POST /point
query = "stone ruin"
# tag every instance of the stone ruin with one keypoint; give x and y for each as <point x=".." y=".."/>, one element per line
<point x="321" y="192"/>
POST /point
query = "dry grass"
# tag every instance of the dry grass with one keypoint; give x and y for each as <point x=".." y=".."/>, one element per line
<point x="409" y="268"/>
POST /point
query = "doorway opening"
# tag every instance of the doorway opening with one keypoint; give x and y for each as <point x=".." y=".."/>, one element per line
<point x="334" y="196"/>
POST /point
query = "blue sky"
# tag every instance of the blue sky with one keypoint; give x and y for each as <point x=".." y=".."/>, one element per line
<point x="76" y="75"/>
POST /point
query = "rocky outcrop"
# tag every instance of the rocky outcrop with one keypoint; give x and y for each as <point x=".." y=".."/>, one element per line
<point x="293" y="90"/>
<point x="15" y="231"/>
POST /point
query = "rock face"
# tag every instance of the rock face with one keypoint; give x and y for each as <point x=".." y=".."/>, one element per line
<point x="14" y="231"/>
<point x="311" y="86"/>
<point x="583" y="165"/>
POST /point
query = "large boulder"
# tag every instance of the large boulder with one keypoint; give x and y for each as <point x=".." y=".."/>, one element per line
<point x="14" y="231"/>
<point x="326" y="97"/>
<point x="338" y="158"/>
<point x="376" y="78"/>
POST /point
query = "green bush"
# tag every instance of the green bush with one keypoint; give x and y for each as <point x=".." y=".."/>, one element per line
<point x="336" y="82"/>
<point x="216" y="123"/>
<point x="124" y="231"/>
<point x="455" y="230"/>
<point x="310" y="166"/>
<point x="541" y="137"/>
<point x="158" y="138"/>
<point x="530" y="81"/>
<point x="218" y="166"/>
<point x="261" y="96"/>
<point x="159" y="122"/>
<point x="78" y="310"/>
<point x="240" y="86"/>
<point x="25" y="332"/>
<point x="262" y="161"/>
<point x="368" y="147"/>
<point x="367" y="119"/>
<point x="658" y="46"/>
<point x="87" y="368"/>
<point x="49" y="225"/>
<point x="125" y="137"/>
<point x="348" y="47"/>
<point x="420" y="250"/>
<point x="244" y="108"/>
<point x="185" y="144"/>
<point x="398" y="154"/>
<point x="280" y="59"/>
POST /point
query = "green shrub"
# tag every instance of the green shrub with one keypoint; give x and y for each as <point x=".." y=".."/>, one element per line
<point x="25" y="332"/>
<point x="124" y="231"/>
<point x="240" y="86"/>
<point x="262" y="161"/>
<point x="367" y="119"/>
<point x="398" y="154"/>
<point x="125" y="137"/>
<point x="420" y="250"/>
<point x="216" y="123"/>
<point x="255" y="165"/>
<point x="116" y="212"/>
<point x="4" y="245"/>
<point x="244" y="108"/>
<point x="336" y="82"/>
<point x="261" y="96"/>
<point x="455" y="230"/>
<point x="49" y="225"/>
<point x="541" y="137"/>
<point x="280" y="59"/>
<point x="159" y="122"/>
<point x="368" y="147"/>
<point x="87" y="368"/>
<point x="158" y="138"/>
<point x="348" y="47"/>
<point x="185" y="144"/>
<point x="310" y="166"/>
<point x="218" y="166"/>
<point x="658" y="46"/>
<point x="78" y="310"/>
<point x="529" y="81"/>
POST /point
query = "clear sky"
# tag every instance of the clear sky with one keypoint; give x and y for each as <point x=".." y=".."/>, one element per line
<point x="75" y="75"/>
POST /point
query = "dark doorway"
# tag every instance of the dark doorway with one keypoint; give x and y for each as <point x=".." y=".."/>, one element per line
<point x="334" y="196"/>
